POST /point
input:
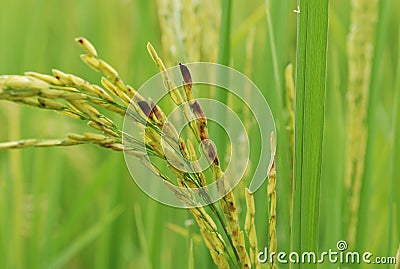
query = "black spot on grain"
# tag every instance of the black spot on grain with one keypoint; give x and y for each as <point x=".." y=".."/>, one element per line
<point x="144" y="107"/>
<point x="186" y="74"/>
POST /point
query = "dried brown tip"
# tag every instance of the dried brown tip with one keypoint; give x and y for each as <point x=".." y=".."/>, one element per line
<point x="187" y="78"/>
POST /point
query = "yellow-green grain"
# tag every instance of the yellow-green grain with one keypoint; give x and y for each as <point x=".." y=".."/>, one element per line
<point x="272" y="205"/>
<point x="250" y="229"/>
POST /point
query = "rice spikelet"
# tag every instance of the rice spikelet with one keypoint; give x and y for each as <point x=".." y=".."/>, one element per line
<point x="360" y="47"/>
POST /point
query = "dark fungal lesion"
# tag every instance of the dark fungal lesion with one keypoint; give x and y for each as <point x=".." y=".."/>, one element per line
<point x="183" y="150"/>
<point x="187" y="77"/>
<point x="198" y="112"/>
<point x="144" y="106"/>
<point x="152" y="111"/>
<point x="200" y="118"/>
<point x="158" y="113"/>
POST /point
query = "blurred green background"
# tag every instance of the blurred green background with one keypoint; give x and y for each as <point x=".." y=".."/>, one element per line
<point x="78" y="207"/>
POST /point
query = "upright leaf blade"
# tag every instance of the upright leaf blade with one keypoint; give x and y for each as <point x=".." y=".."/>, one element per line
<point x="309" y="124"/>
<point x="223" y="58"/>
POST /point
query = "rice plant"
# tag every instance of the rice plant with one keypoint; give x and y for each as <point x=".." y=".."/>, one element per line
<point x="72" y="96"/>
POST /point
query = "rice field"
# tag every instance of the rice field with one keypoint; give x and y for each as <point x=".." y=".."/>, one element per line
<point x="329" y="71"/>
